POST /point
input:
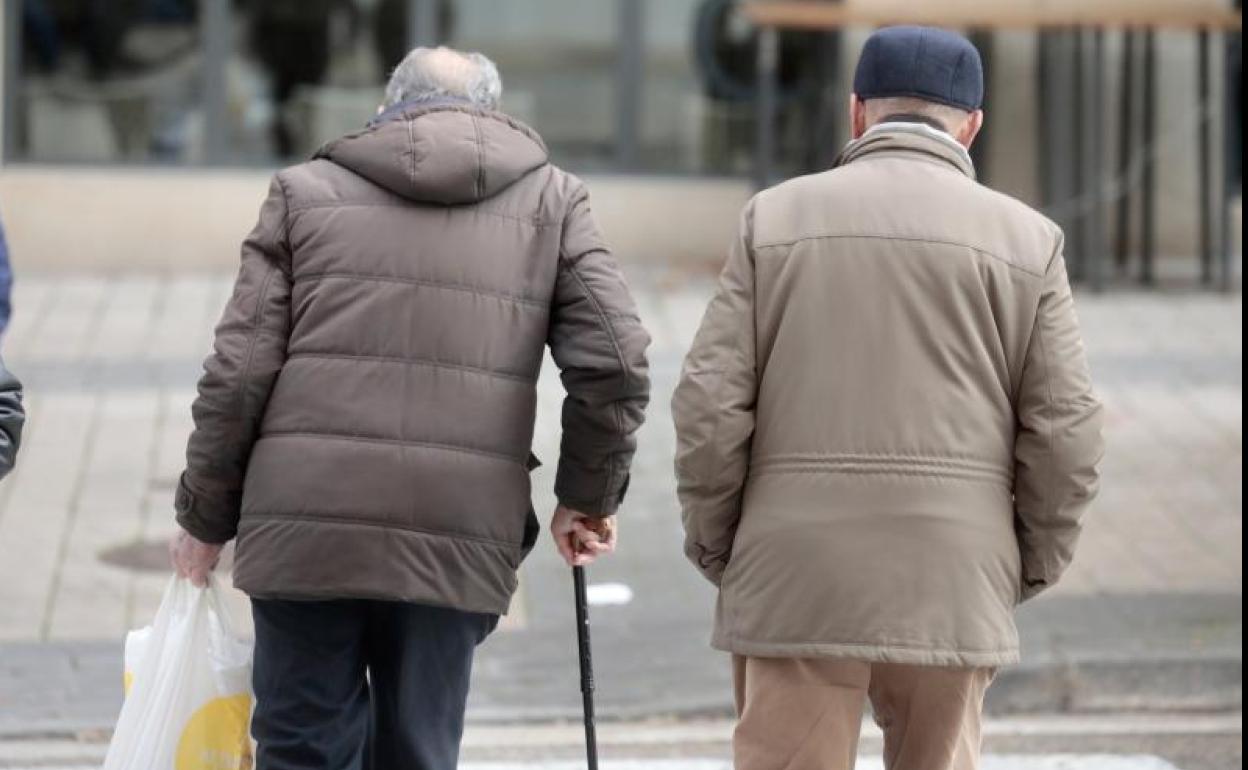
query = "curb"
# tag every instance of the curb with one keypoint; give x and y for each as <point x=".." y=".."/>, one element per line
<point x="1192" y="685"/>
<point x="1102" y="685"/>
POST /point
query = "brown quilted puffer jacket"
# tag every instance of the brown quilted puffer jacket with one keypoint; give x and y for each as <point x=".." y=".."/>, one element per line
<point x="363" y="426"/>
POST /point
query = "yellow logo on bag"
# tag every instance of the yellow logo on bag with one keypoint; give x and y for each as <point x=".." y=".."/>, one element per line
<point x="215" y="738"/>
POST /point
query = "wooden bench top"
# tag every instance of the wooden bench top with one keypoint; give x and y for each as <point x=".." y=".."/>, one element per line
<point x="998" y="14"/>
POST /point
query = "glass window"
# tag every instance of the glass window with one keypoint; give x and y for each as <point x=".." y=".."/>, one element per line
<point x="558" y="62"/>
<point x="699" y="91"/>
<point x="306" y="71"/>
<point x="267" y="82"/>
<point x="682" y="127"/>
<point x="109" y="81"/>
<point x="302" y="72"/>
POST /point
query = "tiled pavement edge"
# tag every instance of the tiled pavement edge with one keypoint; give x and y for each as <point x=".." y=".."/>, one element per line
<point x="1061" y="761"/>
<point x="1151" y="608"/>
<point x="1078" y="742"/>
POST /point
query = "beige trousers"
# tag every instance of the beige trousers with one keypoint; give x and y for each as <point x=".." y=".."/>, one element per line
<point x="799" y="714"/>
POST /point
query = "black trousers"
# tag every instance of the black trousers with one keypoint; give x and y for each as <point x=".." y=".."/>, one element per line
<point x="361" y="685"/>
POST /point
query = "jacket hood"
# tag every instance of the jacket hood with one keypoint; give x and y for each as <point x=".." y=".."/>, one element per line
<point x="909" y="139"/>
<point x="444" y="154"/>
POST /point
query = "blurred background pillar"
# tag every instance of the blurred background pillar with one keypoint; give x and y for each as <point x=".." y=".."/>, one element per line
<point x="1148" y="157"/>
<point x="630" y="20"/>
<point x="10" y="79"/>
<point x="1128" y="125"/>
<point x="1093" y="208"/>
<point x="422" y="21"/>
<point x="216" y="42"/>
<point x="1231" y="184"/>
<point x="768" y="67"/>
<point x="984" y="41"/>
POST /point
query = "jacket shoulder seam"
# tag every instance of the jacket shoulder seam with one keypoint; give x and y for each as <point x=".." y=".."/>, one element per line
<point x="329" y="435"/>
<point x="411" y="147"/>
<point x="1050" y="434"/>
<point x="537" y="222"/>
<point x="1050" y="437"/>
<point x="353" y="204"/>
<point x="913" y="239"/>
<point x="446" y="285"/>
<point x="313" y="517"/>
<point x="253" y="336"/>
<point x="286" y="212"/>
<point x="512" y="376"/>
<point x="479" y="183"/>
<point x="259" y="331"/>
<point x="603" y="317"/>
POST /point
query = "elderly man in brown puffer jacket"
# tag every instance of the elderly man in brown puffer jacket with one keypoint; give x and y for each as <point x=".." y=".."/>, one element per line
<point x="887" y="431"/>
<point x="363" y="427"/>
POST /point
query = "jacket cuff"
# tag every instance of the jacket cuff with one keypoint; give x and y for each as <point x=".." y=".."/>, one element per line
<point x="1031" y="588"/>
<point x="593" y="493"/>
<point x="714" y="572"/>
<point x="711" y="567"/>
<point x="594" y="507"/>
<point x="204" y="522"/>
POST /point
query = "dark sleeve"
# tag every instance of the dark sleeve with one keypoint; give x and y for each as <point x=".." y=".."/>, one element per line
<point x="248" y="354"/>
<point x="6" y="283"/>
<point x="1059" y="442"/>
<point x="598" y="343"/>
<point x="12" y="418"/>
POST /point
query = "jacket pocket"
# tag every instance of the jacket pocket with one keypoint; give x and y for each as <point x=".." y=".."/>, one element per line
<point x="532" y="528"/>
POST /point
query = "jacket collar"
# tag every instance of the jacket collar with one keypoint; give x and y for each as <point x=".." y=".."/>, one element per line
<point x="416" y="106"/>
<point x="913" y="139"/>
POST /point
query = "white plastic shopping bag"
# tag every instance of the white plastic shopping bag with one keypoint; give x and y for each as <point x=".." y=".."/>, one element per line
<point x="188" y="688"/>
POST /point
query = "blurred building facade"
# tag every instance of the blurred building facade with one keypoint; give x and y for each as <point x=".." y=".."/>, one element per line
<point x="172" y="113"/>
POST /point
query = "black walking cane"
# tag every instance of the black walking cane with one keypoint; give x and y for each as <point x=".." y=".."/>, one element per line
<point x="587" y="666"/>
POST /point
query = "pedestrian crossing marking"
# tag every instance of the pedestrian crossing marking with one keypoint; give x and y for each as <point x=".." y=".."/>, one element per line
<point x="990" y="762"/>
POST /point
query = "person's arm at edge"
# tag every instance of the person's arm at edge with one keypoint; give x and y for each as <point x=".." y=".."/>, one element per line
<point x="12" y="419"/>
<point x="713" y="410"/>
<point x="1059" y="443"/>
<point x="238" y="378"/>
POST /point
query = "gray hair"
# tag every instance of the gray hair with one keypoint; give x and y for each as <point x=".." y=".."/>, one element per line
<point x="951" y="118"/>
<point x="427" y="74"/>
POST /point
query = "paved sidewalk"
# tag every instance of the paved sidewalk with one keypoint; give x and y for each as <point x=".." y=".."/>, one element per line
<point x="110" y="364"/>
<point x="1118" y="742"/>
<point x="990" y="762"/>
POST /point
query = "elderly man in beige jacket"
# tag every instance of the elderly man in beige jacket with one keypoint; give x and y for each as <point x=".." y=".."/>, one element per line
<point x="887" y="436"/>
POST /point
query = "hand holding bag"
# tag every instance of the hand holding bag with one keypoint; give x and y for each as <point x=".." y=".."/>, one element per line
<point x="188" y="688"/>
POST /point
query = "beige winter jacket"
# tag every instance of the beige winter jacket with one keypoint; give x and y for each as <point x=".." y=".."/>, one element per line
<point x="363" y="426"/>
<point x="887" y="435"/>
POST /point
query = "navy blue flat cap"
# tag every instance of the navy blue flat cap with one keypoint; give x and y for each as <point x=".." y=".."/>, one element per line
<point x="923" y="62"/>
